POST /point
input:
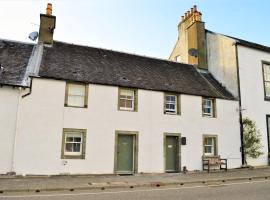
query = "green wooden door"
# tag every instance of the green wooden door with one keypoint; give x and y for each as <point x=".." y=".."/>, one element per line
<point x="171" y="145"/>
<point x="125" y="154"/>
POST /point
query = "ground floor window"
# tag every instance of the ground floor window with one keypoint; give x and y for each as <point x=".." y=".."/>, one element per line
<point x="210" y="145"/>
<point x="73" y="143"/>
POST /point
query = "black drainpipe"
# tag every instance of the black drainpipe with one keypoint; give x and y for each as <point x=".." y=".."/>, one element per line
<point x="30" y="91"/>
<point x="240" y="108"/>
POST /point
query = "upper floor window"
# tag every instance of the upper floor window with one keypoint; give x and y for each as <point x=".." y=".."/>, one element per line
<point x="127" y="99"/>
<point x="171" y="105"/>
<point x="76" y="95"/>
<point x="208" y="107"/>
<point x="178" y="58"/>
<point x="266" y="75"/>
<point x="210" y="145"/>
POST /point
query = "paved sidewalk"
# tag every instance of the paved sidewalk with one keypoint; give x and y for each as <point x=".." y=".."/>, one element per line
<point x="84" y="182"/>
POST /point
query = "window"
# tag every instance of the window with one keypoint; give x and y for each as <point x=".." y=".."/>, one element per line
<point x="210" y="145"/>
<point x="76" y="95"/>
<point x="178" y="58"/>
<point x="171" y="104"/>
<point x="127" y="99"/>
<point x="73" y="143"/>
<point x="266" y="78"/>
<point x="208" y="107"/>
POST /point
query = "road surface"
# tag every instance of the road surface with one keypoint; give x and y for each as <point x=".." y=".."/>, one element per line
<point x="253" y="190"/>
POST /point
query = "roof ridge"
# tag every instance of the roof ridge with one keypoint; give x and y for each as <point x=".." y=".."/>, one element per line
<point x="16" y="41"/>
<point x="123" y="52"/>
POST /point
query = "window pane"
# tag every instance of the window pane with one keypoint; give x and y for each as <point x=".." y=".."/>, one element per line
<point x="267" y="89"/>
<point x="76" y="147"/>
<point x="122" y="103"/>
<point x="69" y="147"/>
<point x="127" y="92"/>
<point x="76" y="101"/>
<point x="77" y="139"/>
<point x="69" y="139"/>
<point x="128" y="104"/>
<point x="266" y="72"/>
<point x="207" y="149"/>
<point x="75" y="89"/>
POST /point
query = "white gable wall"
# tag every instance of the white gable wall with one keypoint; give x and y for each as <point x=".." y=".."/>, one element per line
<point x="43" y="117"/>
<point x="222" y="62"/>
<point x="252" y="93"/>
<point x="9" y="97"/>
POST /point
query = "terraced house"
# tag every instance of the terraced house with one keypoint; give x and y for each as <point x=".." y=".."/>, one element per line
<point x="242" y="67"/>
<point x="75" y="109"/>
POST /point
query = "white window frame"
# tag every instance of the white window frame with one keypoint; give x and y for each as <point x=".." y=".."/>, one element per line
<point x="127" y="99"/>
<point x="74" y="134"/>
<point x="206" y="106"/>
<point x="266" y="65"/>
<point x="213" y="146"/>
<point x="175" y="103"/>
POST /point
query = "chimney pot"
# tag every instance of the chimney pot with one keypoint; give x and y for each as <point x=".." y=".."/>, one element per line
<point x="185" y="15"/>
<point x="195" y="8"/>
<point x="182" y="18"/>
<point x="188" y="13"/>
<point x="49" y="9"/>
<point x="191" y="10"/>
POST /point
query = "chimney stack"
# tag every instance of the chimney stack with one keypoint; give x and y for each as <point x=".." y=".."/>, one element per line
<point x="192" y="36"/>
<point x="47" y="26"/>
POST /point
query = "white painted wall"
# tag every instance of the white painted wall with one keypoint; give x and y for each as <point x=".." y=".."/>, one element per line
<point x="8" y="115"/>
<point x="222" y="60"/>
<point x="43" y="117"/>
<point x="252" y="93"/>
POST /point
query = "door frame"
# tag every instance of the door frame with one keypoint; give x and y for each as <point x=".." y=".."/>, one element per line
<point x="268" y="137"/>
<point x="135" y="135"/>
<point x="179" y="151"/>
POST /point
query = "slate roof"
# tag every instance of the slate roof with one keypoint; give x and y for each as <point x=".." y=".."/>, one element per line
<point x="14" y="57"/>
<point x="252" y="45"/>
<point x="99" y="66"/>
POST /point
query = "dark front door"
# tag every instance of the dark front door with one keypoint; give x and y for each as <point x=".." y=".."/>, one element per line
<point x="125" y="154"/>
<point x="172" y="158"/>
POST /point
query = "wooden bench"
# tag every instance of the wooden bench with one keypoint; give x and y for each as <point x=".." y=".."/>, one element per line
<point x="212" y="161"/>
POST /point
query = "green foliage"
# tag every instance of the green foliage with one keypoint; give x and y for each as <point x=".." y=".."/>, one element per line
<point x="252" y="139"/>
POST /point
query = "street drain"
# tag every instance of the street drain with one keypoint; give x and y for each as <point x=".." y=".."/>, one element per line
<point x="103" y="188"/>
<point x="203" y="182"/>
<point x="71" y="190"/>
<point x="1" y="191"/>
<point x="181" y="183"/>
<point x="37" y="191"/>
<point x="157" y="185"/>
<point x="266" y="177"/>
<point x="223" y="181"/>
<point x="131" y="187"/>
<point x="250" y="179"/>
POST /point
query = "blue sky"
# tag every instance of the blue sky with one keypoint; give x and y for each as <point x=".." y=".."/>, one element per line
<point x="146" y="27"/>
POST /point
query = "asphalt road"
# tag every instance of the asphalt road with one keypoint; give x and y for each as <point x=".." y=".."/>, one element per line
<point x="256" y="190"/>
